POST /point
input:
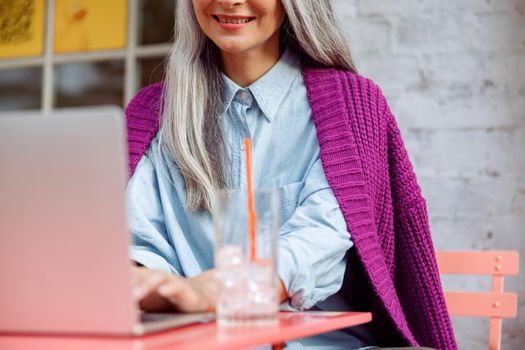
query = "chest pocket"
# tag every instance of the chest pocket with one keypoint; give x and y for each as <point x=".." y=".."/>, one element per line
<point x="289" y="197"/>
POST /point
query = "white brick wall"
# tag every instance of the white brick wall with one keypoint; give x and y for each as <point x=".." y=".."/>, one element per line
<point x="454" y="74"/>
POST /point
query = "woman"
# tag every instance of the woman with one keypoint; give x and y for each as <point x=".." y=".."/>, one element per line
<point x="278" y="71"/>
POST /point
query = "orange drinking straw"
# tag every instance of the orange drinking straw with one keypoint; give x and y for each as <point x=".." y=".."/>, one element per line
<point x="252" y="218"/>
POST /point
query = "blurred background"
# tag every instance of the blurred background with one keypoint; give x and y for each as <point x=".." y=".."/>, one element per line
<point x="99" y="52"/>
<point x="453" y="72"/>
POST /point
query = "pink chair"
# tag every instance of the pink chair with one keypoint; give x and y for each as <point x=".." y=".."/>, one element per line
<point x="495" y="304"/>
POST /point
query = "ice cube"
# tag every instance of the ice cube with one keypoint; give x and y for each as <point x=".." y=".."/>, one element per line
<point x="229" y="256"/>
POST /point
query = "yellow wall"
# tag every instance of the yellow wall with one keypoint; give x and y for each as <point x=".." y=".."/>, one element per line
<point x="86" y="25"/>
<point x="80" y="25"/>
<point x="24" y="35"/>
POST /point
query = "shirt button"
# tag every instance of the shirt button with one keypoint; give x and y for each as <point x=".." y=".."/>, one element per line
<point x="244" y="96"/>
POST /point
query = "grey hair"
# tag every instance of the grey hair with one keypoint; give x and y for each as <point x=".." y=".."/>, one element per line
<point x="193" y="92"/>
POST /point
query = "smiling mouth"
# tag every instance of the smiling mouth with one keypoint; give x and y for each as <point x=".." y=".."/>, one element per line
<point x="233" y="19"/>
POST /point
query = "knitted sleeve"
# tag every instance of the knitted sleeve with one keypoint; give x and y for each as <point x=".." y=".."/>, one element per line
<point x="417" y="278"/>
<point x="142" y="120"/>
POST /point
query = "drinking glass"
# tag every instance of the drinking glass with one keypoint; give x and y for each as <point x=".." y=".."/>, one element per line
<point x="247" y="285"/>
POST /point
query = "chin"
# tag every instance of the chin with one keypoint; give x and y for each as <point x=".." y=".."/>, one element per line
<point x="232" y="46"/>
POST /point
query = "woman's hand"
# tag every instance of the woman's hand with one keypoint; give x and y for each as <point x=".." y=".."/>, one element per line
<point x="161" y="291"/>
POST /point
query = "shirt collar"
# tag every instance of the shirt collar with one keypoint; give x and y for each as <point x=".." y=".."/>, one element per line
<point x="271" y="88"/>
<point x="230" y="89"/>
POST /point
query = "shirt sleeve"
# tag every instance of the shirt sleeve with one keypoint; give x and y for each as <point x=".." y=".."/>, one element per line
<point x="313" y="243"/>
<point x="150" y="244"/>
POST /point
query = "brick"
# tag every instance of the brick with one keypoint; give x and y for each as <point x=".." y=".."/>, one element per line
<point x="493" y="72"/>
<point x="468" y="152"/>
<point x="496" y="31"/>
<point x="393" y="73"/>
<point x="381" y="7"/>
<point x="468" y="197"/>
<point x="429" y="33"/>
<point x="458" y="32"/>
<point x="446" y="75"/>
<point x="457" y="108"/>
<point x="367" y="35"/>
<point x="472" y="334"/>
<point x="466" y="233"/>
<point x="344" y="8"/>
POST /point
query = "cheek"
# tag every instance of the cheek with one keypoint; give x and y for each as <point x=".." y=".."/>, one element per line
<point x="273" y="12"/>
<point x="200" y="5"/>
<point x="279" y="11"/>
<point x="200" y="8"/>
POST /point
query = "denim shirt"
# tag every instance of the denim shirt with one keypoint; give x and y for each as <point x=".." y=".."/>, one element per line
<point x="274" y="112"/>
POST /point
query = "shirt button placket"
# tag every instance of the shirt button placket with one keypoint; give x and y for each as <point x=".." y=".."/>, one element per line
<point x="243" y="131"/>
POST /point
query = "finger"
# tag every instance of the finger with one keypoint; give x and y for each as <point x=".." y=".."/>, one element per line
<point x="172" y="287"/>
<point x="149" y="283"/>
<point x="180" y="293"/>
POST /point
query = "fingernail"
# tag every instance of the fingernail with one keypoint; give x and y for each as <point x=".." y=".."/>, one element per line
<point x="137" y="292"/>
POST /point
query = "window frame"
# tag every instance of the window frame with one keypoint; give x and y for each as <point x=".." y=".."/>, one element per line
<point x="130" y="55"/>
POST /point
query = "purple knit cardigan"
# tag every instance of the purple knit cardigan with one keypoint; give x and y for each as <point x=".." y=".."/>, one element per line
<point x="368" y="169"/>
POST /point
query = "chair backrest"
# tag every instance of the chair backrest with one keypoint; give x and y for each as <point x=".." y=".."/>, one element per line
<point x="495" y="304"/>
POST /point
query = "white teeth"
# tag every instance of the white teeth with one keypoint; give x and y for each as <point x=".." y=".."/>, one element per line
<point x="234" y="21"/>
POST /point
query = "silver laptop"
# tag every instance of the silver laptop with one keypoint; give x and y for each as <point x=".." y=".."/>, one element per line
<point x="64" y="265"/>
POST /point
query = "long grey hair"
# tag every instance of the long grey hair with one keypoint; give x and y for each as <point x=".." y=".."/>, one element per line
<point x="193" y="93"/>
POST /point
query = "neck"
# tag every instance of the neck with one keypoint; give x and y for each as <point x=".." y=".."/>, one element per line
<point x="246" y="67"/>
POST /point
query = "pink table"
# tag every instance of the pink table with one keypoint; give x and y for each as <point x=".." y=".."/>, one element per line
<point x="292" y="325"/>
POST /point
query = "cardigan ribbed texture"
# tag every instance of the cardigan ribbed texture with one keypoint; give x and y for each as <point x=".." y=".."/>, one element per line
<point x="369" y="171"/>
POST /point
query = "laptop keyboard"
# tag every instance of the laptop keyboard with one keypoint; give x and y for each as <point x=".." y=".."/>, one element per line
<point x="150" y="317"/>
